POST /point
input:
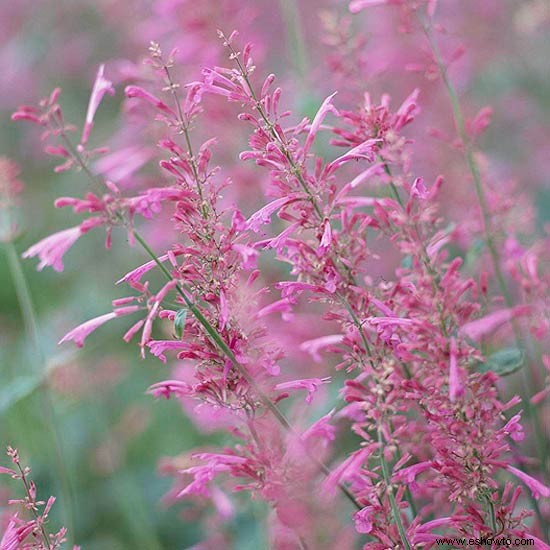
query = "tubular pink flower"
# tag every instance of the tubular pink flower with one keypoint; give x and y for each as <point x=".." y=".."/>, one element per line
<point x="101" y="87"/>
<point x="326" y="240"/>
<point x="408" y="475"/>
<point x="485" y="325"/>
<point x="140" y="93"/>
<point x="325" y="108"/>
<point x="407" y="111"/>
<point x="248" y="254"/>
<point x="348" y="470"/>
<point x="79" y="334"/>
<point x="167" y="388"/>
<point x="309" y="384"/>
<point x="11" y="539"/>
<point x="263" y="216"/>
<point x="536" y="487"/>
<point x="422" y="535"/>
<point x="364" y="150"/>
<point x="359" y="5"/>
<point x="313" y="347"/>
<point x="52" y="249"/>
<point x="136" y="274"/>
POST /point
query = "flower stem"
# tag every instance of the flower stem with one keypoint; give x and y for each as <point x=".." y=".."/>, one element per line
<point x="395" y="510"/>
<point x="491" y="245"/>
<point x="28" y="313"/>
<point x="219" y="341"/>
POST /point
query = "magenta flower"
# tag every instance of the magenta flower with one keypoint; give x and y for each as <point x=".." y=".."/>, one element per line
<point x="363" y="519"/>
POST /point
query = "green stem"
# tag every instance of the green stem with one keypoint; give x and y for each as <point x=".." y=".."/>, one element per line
<point x="212" y="332"/>
<point x="491" y="245"/>
<point x="31" y="325"/>
<point x="393" y="504"/>
<point x="220" y="343"/>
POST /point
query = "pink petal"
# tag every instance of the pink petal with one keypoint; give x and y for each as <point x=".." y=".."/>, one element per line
<point x="79" y="334"/>
<point x="101" y="87"/>
<point x="325" y="108"/>
<point x="480" y="327"/>
<point x="51" y="249"/>
<point x="536" y="487"/>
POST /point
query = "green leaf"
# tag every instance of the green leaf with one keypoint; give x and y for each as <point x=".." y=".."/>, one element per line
<point x="18" y="389"/>
<point x="503" y="362"/>
<point x="179" y="322"/>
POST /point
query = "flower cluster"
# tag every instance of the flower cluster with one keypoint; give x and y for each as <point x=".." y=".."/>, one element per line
<point x="27" y="534"/>
<point x="347" y="289"/>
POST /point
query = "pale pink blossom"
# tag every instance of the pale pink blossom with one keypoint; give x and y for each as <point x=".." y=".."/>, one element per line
<point x="167" y="388"/>
<point x="11" y="539"/>
<point x="357" y="5"/>
<point x="485" y="325"/>
<point x="51" y="250"/>
<point x="263" y="216"/>
<point x="311" y="385"/>
<point x="326" y="107"/>
<point x="536" y="487"/>
<point x="408" y="474"/>
<point x="79" y="334"/>
<point x="313" y="347"/>
<point x="101" y="87"/>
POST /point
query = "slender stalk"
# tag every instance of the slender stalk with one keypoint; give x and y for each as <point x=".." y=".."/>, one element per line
<point x="540" y="439"/>
<point x="213" y="333"/>
<point x="31" y="325"/>
<point x="389" y="489"/>
<point x="32" y="502"/>
<point x="218" y="340"/>
<point x="541" y="442"/>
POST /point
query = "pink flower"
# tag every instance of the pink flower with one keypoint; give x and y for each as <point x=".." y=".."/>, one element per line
<point x="167" y="388"/>
<point x="349" y="469"/>
<point x="363" y="519"/>
<point x="51" y="249"/>
<point x="79" y="334"/>
<point x="263" y="216"/>
<point x="11" y="539"/>
<point x="248" y="254"/>
<point x="358" y="5"/>
<point x="485" y="325"/>
<point x="422" y="534"/>
<point x="309" y="384"/>
<point x="314" y="346"/>
<point x="408" y="475"/>
<point x="536" y="487"/>
<point x="136" y="274"/>
<point x="514" y="428"/>
<point x="101" y="87"/>
<point x="140" y="93"/>
<point x="325" y="108"/>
